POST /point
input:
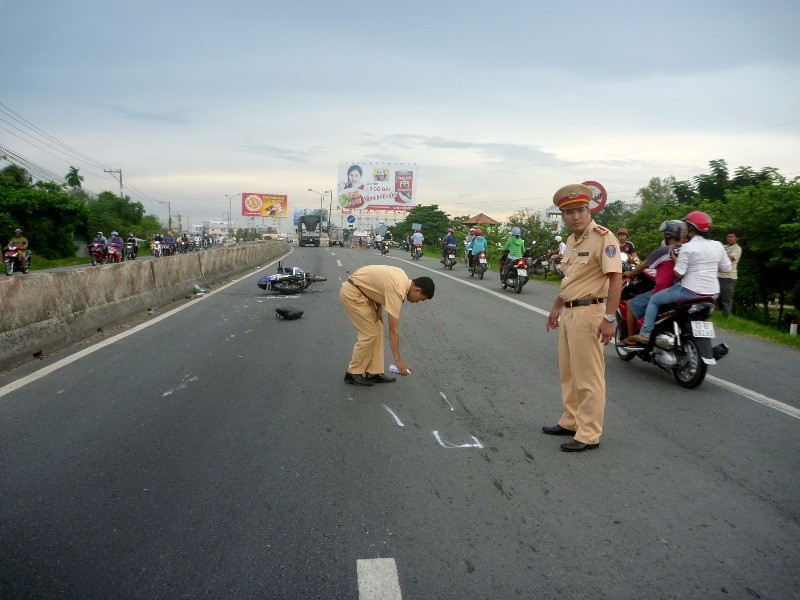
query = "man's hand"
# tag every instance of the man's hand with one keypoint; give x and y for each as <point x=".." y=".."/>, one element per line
<point x="552" y="319"/>
<point x="379" y="313"/>
<point x="403" y="368"/>
<point x="605" y="332"/>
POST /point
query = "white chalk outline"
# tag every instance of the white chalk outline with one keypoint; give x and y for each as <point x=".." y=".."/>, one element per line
<point x="446" y="400"/>
<point x="448" y="445"/>
<point x="396" y="418"/>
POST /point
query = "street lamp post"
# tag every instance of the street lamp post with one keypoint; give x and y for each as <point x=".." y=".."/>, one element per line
<point x="230" y="211"/>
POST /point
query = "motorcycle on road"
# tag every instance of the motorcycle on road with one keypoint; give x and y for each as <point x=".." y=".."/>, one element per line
<point x="289" y="281"/>
<point x="12" y="262"/>
<point x="513" y="273"/>
<point x="479" y="265"/>
<point x="681" y="341"/>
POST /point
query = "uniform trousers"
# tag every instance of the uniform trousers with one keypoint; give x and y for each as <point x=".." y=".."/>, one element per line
<point x="582" y="365"/>
<point x="368" y="351"/>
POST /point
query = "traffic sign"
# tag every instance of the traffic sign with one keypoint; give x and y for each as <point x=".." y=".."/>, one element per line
<point x="351" y="218"/>
<point x="599" y="196"/>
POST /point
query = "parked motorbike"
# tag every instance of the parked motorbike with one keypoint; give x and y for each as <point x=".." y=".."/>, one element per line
<point x="539" y="265"/>
<point x="97" y="253"/>
<point x="514" y="272"/>
<point x="289" y="281"/>
<point x="449" y="258"/>
<point x="479" y="265"/>
<point x="12" y="262"/>
<point x="384" y="247"/>
<point x="681" y="341"/>
<point x="416" y="251"/>
<point x="113" y="254"/>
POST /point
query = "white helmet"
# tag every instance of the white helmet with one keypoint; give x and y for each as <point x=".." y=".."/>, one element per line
<point x="558" y="238"/>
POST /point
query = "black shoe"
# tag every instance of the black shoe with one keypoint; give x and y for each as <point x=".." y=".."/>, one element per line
<point x="557" y="430"/>
<point x="356" y="379"/>
<point x="380" y="378"/>
<point x="576" y="446"/>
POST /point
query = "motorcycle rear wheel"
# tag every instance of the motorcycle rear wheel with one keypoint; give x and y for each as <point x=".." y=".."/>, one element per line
<point x="518" y="287"/>
<point x="694" y="372"/>
<point x="482" y="272"/>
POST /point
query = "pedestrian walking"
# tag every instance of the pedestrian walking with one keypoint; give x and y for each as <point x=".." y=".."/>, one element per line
<point x="584" y="315"/>
<point x="365" y="295"/>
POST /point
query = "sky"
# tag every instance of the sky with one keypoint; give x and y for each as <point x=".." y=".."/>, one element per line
<point x="498" y="104"/>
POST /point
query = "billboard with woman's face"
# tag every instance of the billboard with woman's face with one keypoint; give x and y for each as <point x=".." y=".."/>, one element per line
<point x="377" y="186"/>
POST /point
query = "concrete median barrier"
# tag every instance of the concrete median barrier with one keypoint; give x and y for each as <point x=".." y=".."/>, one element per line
<point x="43" y="312"/>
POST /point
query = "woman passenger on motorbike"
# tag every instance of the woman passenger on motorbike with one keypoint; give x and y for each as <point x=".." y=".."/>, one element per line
<point x="450" y="242"/>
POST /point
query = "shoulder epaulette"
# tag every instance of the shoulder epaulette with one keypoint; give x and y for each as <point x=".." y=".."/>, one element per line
<point x="601" y="230"/>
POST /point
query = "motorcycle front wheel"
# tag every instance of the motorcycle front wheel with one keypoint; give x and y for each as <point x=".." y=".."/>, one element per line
<point x="94" y="260"/>
<point x="694" y="372"/>
<point x="620" y="333"/>
<point x="9" y="267"/>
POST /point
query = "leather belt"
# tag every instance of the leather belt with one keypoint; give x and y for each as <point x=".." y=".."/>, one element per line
<point x="584" y="302"/>
<point x="355" y="285"/>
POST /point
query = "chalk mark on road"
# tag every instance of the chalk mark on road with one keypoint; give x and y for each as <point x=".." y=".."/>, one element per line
<point x="445" y="444"/>
<point x="446" y="400"/>
<point x="396" y="418"/>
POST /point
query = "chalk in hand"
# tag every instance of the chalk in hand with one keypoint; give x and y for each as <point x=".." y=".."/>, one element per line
<point x="394" y="369"/>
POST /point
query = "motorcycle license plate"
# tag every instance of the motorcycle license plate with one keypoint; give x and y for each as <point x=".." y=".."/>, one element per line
<point x="482" y="261"/>
<point x="451" y="256"/>
<point x="522" y="273"/>
<point x="702" y="329"/>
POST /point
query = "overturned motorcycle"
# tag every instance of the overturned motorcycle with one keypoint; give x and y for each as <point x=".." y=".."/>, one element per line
<point x="289" y="281"/>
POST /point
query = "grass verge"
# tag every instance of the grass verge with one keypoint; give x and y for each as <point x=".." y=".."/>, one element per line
<point x="45" y="263"/>
<point x="753" y="329"/>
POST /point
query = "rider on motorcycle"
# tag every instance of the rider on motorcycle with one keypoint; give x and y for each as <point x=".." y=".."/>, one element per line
<point x="477" y="245"/>
<point x="468" y="244"/>
<point x="697" y="265"/>
<point x="557" y="254"/>
<point x="116" y="241"/>
<point x="450" y="242"/>
<point x="21" y="243"/>
<point x="515" y="247"/>
<point x="99" y="238"/>
<point x="662" y="260"/>
<point x="132" y="240"/>
<point x="169" y="240"/>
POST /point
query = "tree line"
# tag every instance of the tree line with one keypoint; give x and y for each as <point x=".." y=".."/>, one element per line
<point x="51" y="215"/>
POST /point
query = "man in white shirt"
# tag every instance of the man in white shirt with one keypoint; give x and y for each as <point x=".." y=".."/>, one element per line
<point x="727" y="281"/>
<point x="697" y="265"/>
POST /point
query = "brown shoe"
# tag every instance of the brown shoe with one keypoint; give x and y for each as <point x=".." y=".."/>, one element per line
<point x="354" y="379"/>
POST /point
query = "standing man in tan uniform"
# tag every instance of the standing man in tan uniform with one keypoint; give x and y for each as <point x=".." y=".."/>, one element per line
<point x="589" y="297"/>
<point x="364" y="296"/>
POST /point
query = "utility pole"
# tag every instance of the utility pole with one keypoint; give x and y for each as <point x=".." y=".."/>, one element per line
<point x="118" y="172"/>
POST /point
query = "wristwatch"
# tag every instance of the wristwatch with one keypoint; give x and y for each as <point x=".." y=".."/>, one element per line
<point x="609" y="318"/>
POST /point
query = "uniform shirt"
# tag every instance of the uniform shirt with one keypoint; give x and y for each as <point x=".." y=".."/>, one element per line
<point x="21" y="242"/>
<point x="736" y="251"/>
<point x="586" y="263"/>
<point x="698" y="263"/>
<point x="384" y="285"/>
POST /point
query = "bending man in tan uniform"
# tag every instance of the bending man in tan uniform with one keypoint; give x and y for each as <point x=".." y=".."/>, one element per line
<point x="589" y="297"/>
<point x="364" y="296"/>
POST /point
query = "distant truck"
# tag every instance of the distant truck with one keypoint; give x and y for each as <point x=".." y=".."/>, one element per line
<point x="336" y="237"/>
<point x="309" y="230"/>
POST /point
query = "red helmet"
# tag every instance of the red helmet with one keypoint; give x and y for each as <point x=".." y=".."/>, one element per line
<point x="699" y="220"/>
<point x="478" y="232"/>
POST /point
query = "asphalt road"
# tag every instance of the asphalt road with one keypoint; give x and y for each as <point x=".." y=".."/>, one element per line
<point x="215" y="452"/>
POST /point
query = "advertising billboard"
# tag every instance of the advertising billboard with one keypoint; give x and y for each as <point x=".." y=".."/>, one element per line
<point x="377" y="186"/>
<point x="264" y="205"/>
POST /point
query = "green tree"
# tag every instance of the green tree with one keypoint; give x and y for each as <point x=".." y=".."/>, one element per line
<point x="15" y="175"/>
<point x="73" y="179"/>
<point x="47" y="214"/>
<point x="433" y="220"/>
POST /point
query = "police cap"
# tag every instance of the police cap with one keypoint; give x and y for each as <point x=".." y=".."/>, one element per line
<point x="572" y="195"/>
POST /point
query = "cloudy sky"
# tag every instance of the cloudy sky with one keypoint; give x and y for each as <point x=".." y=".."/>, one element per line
<point x="498" y="103"/>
